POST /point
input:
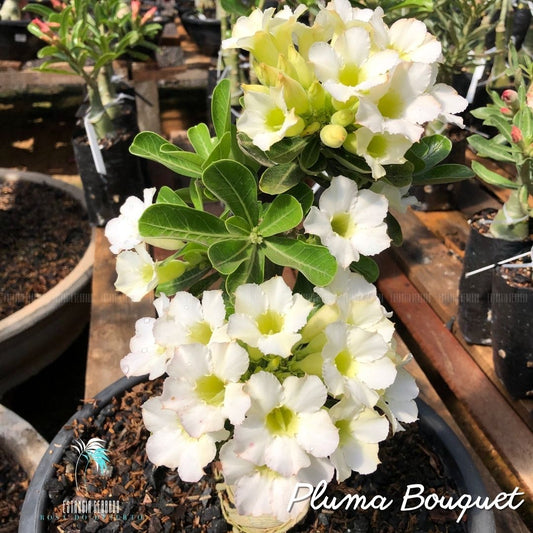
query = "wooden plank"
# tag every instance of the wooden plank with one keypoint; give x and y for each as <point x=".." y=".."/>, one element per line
<point x="438" y="349"/>
<point x="113" y="317"/>
<point x="435" y="272"/>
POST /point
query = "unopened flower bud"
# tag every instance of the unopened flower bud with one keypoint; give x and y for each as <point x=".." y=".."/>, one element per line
<point x="516" y="134"/>
<point x="344" y="117"/>
<point x="149" y="15"/>
<point x="333" y="135"/>
<point x="135" y="8"/>
<point x="311" y="128"/>
<point x="510" y="97"/>
<point x="505" y="111"/>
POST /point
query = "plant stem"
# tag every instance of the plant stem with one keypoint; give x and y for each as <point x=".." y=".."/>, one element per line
<point x="98" y="116"/>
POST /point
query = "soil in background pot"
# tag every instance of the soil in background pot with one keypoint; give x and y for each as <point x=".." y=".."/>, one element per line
<point x="512" y="329"/>
<point x="44" y="235"/>
<point x="13" y="485"/>
<point x="474" y="313"/>
<point x="156" y="500"/>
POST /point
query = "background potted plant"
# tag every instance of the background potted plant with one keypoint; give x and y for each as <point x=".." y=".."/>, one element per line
<point x="88" y="37"/>
<point x="501" y="236"/>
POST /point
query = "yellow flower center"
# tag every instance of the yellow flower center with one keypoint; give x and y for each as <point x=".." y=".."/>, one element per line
<point x="282" y="421"/>
<point x="343" y="225"/>
<point x="275" y="119"/>
<point x="270" y="322"/>
<point x="201" y="332"/>
<point x="211" y="389"/>
<point x="391" y="105"/>
<point x="345" y="364"/>
<point x="377" y="147"/>
<point x="345" y="433"/>
<point x="349" y="75"/>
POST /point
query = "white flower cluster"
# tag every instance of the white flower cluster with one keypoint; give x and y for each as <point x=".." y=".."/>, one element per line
<point x="365" y="86"/>
<point x="263" y="379"/>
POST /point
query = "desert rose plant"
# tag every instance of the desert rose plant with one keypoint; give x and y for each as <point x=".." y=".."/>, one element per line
<point x="511" y="113"/>
<point x="284" y="384"/>
<point x="88" y="37"/>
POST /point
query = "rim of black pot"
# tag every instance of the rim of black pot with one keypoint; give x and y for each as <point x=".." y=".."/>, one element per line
<point x="457" y="459"/>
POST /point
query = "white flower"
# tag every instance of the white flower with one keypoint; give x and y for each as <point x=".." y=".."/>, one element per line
<point x="348" y="67"/>
<point x="349" y="222"/>
<point x="360" y="431"/>
<point x="266" y="119"/>
<point x="398" y="197"/>
<point x="356" y="363"/>
<point x="280" y="428"/>
<point x="346" y="285"/>
<point x="136" y="273"/>
<point x="187" y="320"/>
<point x="170" y="445"/>
<point x="268" y="316"/>
<point x="146" y="356"/>
<point x="123" y="231"/>
<point x="450" y="101"/>
<point x="402" y="104"/>
<point x="259" y="490"/>
<point x="380" y="149"/>
<point x="204" y="387"/>
<point x="398" y="400"/>
<point x="410" y="38"/>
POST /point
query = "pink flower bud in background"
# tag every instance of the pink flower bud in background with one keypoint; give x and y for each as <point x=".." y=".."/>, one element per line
<point x="510" y="97"/>
<point x="135" y="7"/>
<point x="529" y="97"/>
<point x="516" y="134"/>
<point x="148" y="15"/>
<point x="505" y="111"/>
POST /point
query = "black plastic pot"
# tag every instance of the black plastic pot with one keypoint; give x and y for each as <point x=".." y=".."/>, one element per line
<point x="455" y="456"/>
<point x="512" y="333"/>
<point x="105" y="194"/>
<point x="16" y="42"/>
<point x="204" y="32"/>
<point x="474" y="314"/>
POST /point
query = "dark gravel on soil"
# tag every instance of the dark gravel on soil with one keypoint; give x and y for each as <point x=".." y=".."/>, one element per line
<point x="13" y="485"/>
<point x="154" y="500"/>
<point x="44" y="235"/>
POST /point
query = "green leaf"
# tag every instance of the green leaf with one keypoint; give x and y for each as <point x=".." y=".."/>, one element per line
<point x="367" y="267"/>
<point x="493" y="178"/>
<point x="280" y="178"/>
<point x="304" y="287"/>
<point x="394" y="230"/>
<point x="154" y="147"/>
<point x="167" y="196"/>
<point x="399" y="175"/>
<point x="226" y="256"/>
<point x="524" y="121"/>
<point x="283" y="214"/>
<point x="235" y="185"/>
<point x="435" y="149"/>
<point x="310" y="153"/>
<point x="200" y="139"/>
<point x="104" y="59"/>
<point x="249" y="148"/>
<point x="443" y="174"/>
<point x="221" y="150"/>
<point x="502" y="124"/>
<point x="349" y="161"/>
<point x="486" y="148"/>
<point x="184" y="282"/>
<point x="221" y="107"/>
<point x="287" y="149"/>
<point x="313" y="260"/>
<point x="161" y="222"/>
<point x="250" y="271"/>
<point x="39" y="9"/>
<point x="304" y="194"/>
<point x="238" y="7"/>
<point x="238" y="226"/>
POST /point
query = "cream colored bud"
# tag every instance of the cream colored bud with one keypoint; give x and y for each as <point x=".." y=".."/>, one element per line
<point x="344" y="117"/>
<point x="333" y="135"/>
